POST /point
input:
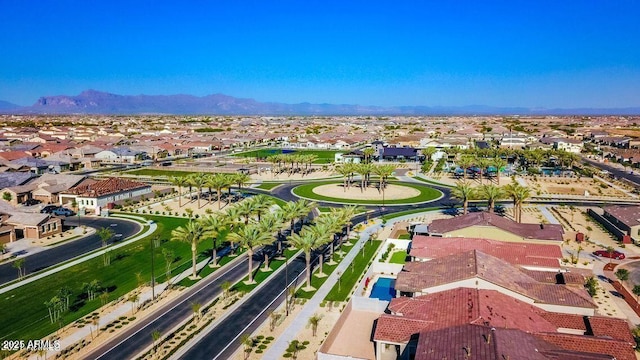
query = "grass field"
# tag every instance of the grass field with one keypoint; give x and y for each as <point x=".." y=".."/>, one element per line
<point x="426" y="194"/>
<point x="259" y="276"/>
<point x="431" y="182"/>
<point x="316" y="281"/>
<point x="155" y="172"/>
<point x="341" y="290"/>
<point x="398" y="257"/>
<point x="268" y="185"/>
<point x="409" y="212"/>
<point x="28" y="318"/>
<point x="324" y="156"/>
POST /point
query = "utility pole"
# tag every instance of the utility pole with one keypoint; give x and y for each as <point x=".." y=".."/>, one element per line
<point x="286" y="284"/>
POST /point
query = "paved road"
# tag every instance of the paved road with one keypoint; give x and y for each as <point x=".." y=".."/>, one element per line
<point x="138" y="337"/>
<point x="224" y="339"/>
<point x="57" y="254"/>
<point x="616" y="171"/>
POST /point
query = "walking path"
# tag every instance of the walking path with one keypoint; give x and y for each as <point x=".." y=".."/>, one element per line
<point x="279" y="346"/>
<point x="123" y="309"/>
<point x="83" y="258"/>
<point x="548" y="215"/>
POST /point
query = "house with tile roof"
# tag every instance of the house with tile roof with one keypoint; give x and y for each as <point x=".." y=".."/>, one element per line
<point x="527" y="255"/>
<point x="402" y="329"/>
<point x="475" y="269"/>
<point x="491" y="226"/>
<point x="96" y="195"/>
<point x="625" y="218"/>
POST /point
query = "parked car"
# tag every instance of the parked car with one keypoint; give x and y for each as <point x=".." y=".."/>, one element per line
<point x="31" y="202"/>
<point x="48" y="209"/>
<point x="62" y="212"/>
<point x="614" y="255"/>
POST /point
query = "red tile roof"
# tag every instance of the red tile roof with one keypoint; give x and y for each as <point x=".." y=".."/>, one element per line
<point x="106" y="187"/>
<point x="621" y="350"/>
<point x="539" y="255"/>
<point x="422" y="276"/>
<point x="601" y="326"/>
<point x="527" y="231"/>
<point x="629" y="215"/>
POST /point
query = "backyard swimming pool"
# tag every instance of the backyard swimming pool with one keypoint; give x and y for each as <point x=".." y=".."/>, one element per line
<point x="384" y="289"/>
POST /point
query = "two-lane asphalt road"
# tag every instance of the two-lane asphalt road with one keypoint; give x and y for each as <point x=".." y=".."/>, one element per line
<point x="138" y="337"/>
<point x="57" y="254"/>
<point x="223" y="340"/>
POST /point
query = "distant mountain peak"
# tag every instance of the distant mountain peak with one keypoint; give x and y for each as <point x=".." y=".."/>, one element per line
<point x="99" y="102"/>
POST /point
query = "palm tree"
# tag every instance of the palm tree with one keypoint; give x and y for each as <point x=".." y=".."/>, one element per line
<point x="198" y="181"/>
<point x="368" y="153"/>
<point x="383" y="172"/>
<point x="217" y="227"/>
<point x="465" y="162"/>
<point x="491" y="193"/>
<point x="313" y="322"/>
<point x="241" y="179"/>
<point x="305" y="241"/>
<point x="155" y="336"/>
<point x="345" y="170"/>
<point x="261" y="203"/>
<point x="324" y="234"/>
<point x="303" y="208"/>
<point x="250" y="237"/>
<point x="246" y="208"/>
<point x="636" y="292"/>
<point x="191" y="233"/>
<point x="133" y="299"/>
<point x="499" y="163"/>
<point x="610" y="250"/>
<point x="522" y="194"/>
<point x="348" y="212"/>
<point x="270" y="225"/>
<point x="622" y="275"/>
<point x="180" y="182"/>
<point x="364" y="170"/>
<point x="464" y="192"/>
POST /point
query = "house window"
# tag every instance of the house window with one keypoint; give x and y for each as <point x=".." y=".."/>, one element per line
<point x="43" y="229"/>
<point x="55" y="226"/>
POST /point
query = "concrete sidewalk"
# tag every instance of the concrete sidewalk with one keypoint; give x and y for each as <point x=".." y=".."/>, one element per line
<point x="121" y="310"/>
<point x="279" y="346"/>
<point x="82" y="258"/>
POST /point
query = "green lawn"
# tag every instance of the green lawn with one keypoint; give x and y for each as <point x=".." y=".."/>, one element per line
<point x="268" y="185"/>
<point x="206" y="271"/>
<point x="324" y="156"/>
<point x="316" y="281"/>
<point x="28" y="317"/>
<point x="408" y="212"/>
<point x="405" y="237"/>
<point x="426" y="194"/>
<point x="341" y="290"/>
<point x="431" y="182"/>
<point x="155" y="172"/>
<point x="259" y="276"/>
<point x="398" y="257"/>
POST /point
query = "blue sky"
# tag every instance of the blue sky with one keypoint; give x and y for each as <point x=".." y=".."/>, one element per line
<point x="500" y="53"/>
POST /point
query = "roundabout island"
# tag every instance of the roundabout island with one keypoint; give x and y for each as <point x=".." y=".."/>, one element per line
<point x="393" y="193"/>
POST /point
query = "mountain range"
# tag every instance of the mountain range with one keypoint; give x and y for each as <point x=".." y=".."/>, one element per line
<point x="97" y="102"/>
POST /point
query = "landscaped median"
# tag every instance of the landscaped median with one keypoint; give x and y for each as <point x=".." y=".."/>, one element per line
<point x="29" y="316"/>
<point x="342" y="291"/>
<point x="424" y="194"/>
<point x="327" y="269"/>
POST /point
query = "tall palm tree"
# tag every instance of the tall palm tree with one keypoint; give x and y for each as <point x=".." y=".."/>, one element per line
<point x="465" y="162"/>
<point x="217" y="227"/>
<point x="270" y="224"/>
<point x="345" y="170"/>
<point x="180" y="182"/>
<point x="326" y="227"/>
<point x="245" y="208"/>
<point x="191" y="233"/>
<point x="305" y="241"/>
<point x="348" y="213"/>
<point x="250" y="237"/>
<point x="499" y="163"/>
<point x="303" y="208"/>
<point x="518" y="194"/>
<point x="491" y="193"/>
<point x="368" y="154"/>
<point x="383" y="172"/>
<point x="261" y="203"/>
<point x="241" y="179"/>
<point x="198" y="181"/>
<point x="364" y="170"/>
<point x="464" y="192"/>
